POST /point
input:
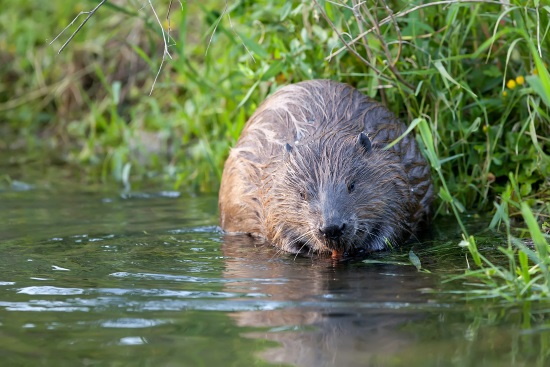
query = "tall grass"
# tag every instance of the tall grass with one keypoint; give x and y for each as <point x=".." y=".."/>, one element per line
<point x="470" y="76"/>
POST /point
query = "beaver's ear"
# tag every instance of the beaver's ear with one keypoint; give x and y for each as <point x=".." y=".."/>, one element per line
<point x="364" y="141"/>
<point x="288" y="148"/>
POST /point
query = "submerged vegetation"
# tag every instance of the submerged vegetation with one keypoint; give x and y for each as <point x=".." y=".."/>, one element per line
<point x="470" y="77"/>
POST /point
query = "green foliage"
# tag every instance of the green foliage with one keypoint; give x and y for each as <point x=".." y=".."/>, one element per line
<point x="471" y="76"/>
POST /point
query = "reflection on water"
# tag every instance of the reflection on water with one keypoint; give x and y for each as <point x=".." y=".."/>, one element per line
<point x="337" y="314"/>
<point x="89" y="277"/>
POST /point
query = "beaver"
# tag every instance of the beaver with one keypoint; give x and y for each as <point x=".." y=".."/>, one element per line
<point x="312" y="173"/>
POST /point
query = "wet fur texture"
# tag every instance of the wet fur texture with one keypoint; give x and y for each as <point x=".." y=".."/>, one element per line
<point x="313" y="157"/>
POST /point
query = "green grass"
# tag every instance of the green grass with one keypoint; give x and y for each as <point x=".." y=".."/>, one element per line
<point x="471" y="79"/>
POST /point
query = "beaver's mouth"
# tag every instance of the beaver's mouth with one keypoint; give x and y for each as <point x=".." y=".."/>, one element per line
<point x="334" y="245"/>
<point x="371" y="238"/>
<point x="305" y="249"/>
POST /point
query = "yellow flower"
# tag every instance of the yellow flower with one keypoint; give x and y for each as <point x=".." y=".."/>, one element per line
<point x="520" y="80"/>
<point x="511" y="84"/>
<point x="504" y="93"/>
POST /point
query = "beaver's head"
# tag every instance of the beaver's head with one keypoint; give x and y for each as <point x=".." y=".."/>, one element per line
<point x="337" y="194"/>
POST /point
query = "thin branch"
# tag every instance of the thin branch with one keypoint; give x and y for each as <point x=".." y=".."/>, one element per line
<point x="347" y="45"/>
<point x="239" y="36"/>
<point x="90" y="13"/>
<point x="397" y="30"/>
<point x="169" y="20"/>
<point x="226" y="11"/>
<point x="165" y="52"/>
<point x="360" y="20"/>
<point x="215" y="27"/>
<point x="378" y="34"/>
<point x="340" y="4"/>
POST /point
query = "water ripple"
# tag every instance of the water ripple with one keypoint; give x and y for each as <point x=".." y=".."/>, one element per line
<point x="192" y="279"/>
<point x="50" y="291"/>
<point x="224" y="305"/>
<point x="131" y="323"/>
<point x="133" y="340"/>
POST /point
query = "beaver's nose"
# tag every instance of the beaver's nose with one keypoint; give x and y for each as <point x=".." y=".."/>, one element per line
<point x="333" y="231"/>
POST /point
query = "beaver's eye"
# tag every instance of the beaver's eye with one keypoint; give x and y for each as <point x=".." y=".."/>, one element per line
<point x="351" y="187"/>
<point x="302" y="195"/>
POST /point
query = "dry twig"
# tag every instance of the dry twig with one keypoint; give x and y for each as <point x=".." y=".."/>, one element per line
<point x="347" y="45"/>
<point x="90" y="13"/>
<point x="224" y="12"/>
<point x="350" y="48"/>
<point x="165" y="39"/>
<point x="165" y="35"/>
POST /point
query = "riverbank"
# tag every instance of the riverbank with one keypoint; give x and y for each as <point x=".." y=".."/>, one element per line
<point x="469" y="77"/>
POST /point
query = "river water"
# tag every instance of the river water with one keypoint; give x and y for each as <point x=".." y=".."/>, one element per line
<point x="96" y="277"/>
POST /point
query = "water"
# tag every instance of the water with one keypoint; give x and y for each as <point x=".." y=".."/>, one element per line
<point x="92" y="277"/>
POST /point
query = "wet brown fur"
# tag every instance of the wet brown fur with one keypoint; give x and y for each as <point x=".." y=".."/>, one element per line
<point x="286" y="193"/>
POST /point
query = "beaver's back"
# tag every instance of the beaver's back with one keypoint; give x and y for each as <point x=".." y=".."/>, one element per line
<point x="295" y="115"/>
